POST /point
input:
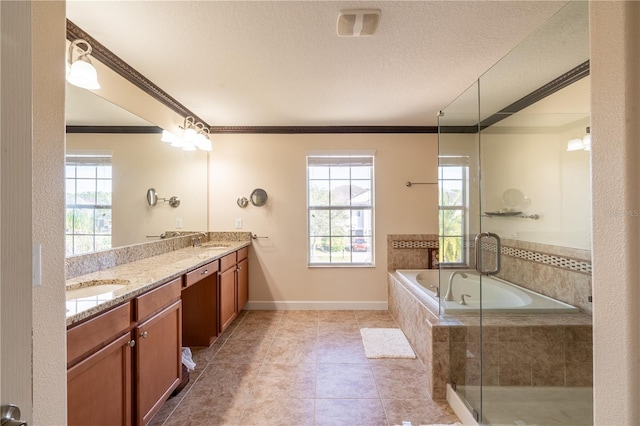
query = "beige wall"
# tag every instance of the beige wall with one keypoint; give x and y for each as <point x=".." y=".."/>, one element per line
<point x="49" y="331"/>
<point x="140" y="162"/>
<point x="279" y="275"/>
<point x="556" y="182"/>
<point x="615" y="75"/>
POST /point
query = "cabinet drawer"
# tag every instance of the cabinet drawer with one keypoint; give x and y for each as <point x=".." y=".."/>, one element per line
<point x="157" y="299"/>
<point x="227" y="262"/>
<point x="201" y="273"/>
<point x="243" y="253"/>
<point x="98" y="331"/>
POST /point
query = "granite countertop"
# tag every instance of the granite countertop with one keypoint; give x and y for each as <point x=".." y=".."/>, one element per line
<point x="140" y="276"/>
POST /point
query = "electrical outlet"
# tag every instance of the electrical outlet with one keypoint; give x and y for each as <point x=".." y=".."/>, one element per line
<point x="238" y="223"/>
<point x="178" y="223"/>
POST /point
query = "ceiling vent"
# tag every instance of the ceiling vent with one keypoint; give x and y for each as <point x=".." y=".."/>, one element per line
<point x="358" y="22"/>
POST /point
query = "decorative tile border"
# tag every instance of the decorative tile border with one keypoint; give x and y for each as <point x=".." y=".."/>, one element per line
<point x="563" y="262"/>
<point x="575" y="265"/>
<point x="414" y="244"/>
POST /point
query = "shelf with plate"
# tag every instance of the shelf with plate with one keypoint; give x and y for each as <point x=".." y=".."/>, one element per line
<point x="511" y="214"/>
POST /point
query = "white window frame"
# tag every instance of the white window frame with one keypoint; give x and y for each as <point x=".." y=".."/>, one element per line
<point x="367" y="235"/>
<point x="88" y="159"/>
<point x="463" y="208"/>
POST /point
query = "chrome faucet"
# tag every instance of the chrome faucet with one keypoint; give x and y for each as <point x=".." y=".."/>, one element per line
<point x="197" y="240"/>
<point x="449" y="296"/>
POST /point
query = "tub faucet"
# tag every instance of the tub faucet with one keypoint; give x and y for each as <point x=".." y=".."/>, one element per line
<point x="449" y="296"/>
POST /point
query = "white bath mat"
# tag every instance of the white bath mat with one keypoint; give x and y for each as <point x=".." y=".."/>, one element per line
<point x="386" y="343"/>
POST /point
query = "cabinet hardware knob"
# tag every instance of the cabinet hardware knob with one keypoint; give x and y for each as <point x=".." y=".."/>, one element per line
<point x="206" y="271"/>
<point x="131" y="343"/>
<point x="144" y="334"/>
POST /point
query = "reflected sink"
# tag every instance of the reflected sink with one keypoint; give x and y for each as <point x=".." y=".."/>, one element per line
<point x="94" y="288"/>
<point x="215" y="246"/>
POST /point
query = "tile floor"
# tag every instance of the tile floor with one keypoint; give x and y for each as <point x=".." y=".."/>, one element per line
<point x="302" y="368"/>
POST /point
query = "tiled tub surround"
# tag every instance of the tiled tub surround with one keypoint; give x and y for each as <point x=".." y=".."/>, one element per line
<point x="562" y="273"/>
<point x="532" y="350"/>
<point x="83" y="264"/>
<point x="409" y="251"/>
<point x="141" y="275"/>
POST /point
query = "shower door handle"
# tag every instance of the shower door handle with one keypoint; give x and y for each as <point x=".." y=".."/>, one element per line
<point x="478" y="244"/>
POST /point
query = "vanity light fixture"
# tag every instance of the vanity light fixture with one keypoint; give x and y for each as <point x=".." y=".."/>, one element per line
<point x="80" y="71"/>
<point x="578" y="144"/>
<point x="194" y="135"/>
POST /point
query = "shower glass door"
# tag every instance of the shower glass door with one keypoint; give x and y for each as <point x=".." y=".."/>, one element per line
<point x="505" y="170"/>
<point x="459" y="223"/>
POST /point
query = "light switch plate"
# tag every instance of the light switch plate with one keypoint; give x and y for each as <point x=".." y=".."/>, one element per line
<point x="37" y="265"/>
<point x="238" y="223"/>
<point x="178" y="222"/>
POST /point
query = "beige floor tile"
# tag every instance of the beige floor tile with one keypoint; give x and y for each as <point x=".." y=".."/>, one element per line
<point x="242" y="351"/>
<point x="297" y="329"/>
<point x="301" y="368"/>
<point x="345" y="381"/>
<point x="350" y="412"/>
<point x="255" y="330"/>
<point x="341" y="350"/>
<point x="207" y="410"/>
<point x="375" y="319"/>
<point x="225" y="381"/>
<point x="338" y="330"/>
<point x="339" y="317"/>
<point x="291" y="350"/>
<point x="285" y="381"/>
<point x="273" y="412"/>
<point x="418" y="411"/>
<point x="400" y="378"/>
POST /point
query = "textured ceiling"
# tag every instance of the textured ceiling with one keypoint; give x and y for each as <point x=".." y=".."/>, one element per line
<point x="280" y="63"/>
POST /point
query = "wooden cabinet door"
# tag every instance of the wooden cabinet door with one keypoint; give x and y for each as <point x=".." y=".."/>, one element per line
<point x="158" y="360"/>
<point x="227" y="297"/>
<point x="99" y="388"/>
<point x="243" y="283"/>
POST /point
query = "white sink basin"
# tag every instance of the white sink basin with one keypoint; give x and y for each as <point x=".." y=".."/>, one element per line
<point x="215" y="246"/>
<point x="94" y="288"/>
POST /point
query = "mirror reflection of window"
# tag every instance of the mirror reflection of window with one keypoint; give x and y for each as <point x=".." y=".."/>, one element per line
<point x="453" y="182"/>
<point x="88" y="223"/>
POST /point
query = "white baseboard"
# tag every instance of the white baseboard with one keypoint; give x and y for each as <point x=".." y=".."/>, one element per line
<point x="459" y="407"/>
<point x="324" y="306"/>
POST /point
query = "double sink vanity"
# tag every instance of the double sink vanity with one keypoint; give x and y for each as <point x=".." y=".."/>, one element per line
<point x="126" y="326"/>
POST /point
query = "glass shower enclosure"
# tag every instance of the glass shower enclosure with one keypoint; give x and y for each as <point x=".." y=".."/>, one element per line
<point x="514" y="239"/>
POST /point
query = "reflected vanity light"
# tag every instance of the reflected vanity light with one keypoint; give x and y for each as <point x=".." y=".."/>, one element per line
<point x="194" y="135"/>
<point x="80" y="71"/>
<point x="578" y="144"/>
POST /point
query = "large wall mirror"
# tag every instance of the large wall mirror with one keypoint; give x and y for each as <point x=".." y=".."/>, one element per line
<point x="510" y="133"/>
<point x="109" y="170"/>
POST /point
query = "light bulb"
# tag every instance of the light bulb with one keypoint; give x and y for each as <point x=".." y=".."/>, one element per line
<point x="575" y="145"/>
<point x="206" y="146"/>
<point x="83" y="74"/>
<point x="167" y="136"/>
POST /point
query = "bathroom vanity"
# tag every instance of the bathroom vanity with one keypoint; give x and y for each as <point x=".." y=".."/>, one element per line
<point x="124" y="345"/>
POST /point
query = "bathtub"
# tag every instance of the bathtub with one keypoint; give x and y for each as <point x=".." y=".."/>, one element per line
<point x="498" y="296"/>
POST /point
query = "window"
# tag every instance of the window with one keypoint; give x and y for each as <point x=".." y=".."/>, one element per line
<point x="452" y="180"/>
<point x="88" y="200"/>
<point x="340" y="210"/>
